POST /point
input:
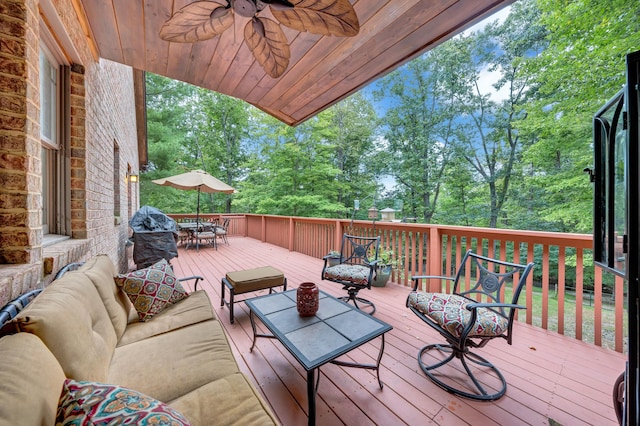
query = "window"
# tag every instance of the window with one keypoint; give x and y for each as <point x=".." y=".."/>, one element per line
<point x="116" y="180"/>
<point x="54" y="131"/>
<point x="48" y="98"/>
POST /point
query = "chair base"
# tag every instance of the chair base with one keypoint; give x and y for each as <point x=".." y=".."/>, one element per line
<point x="479" y="392"/>
<point x="353" y="297"/>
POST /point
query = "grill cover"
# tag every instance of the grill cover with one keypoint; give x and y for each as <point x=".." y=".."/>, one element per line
<point x="154" y="236"/>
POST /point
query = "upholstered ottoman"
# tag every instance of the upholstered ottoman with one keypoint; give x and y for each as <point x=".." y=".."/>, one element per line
<point x="239" y="282"/>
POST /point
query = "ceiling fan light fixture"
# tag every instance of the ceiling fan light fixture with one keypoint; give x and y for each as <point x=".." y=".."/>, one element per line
<point x="246" y="8"/>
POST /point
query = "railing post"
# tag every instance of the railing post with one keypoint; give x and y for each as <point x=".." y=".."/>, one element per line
<point x="337" y="239"/>
<point x="263" y="232"/>
<point x="291" y="230"/>
<point x="435" y="257"/>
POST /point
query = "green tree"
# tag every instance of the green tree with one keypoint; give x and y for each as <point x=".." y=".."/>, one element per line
<point x="225" y="125"/>
<point x="167" y="107"/>
<point x="192" y="128"/>
<point x="494" y="145"/>
<point x="350" y="131"/>
<point x="582" y="67"/>
<point x="293" y="173"/>
<point x="420" y="125"/>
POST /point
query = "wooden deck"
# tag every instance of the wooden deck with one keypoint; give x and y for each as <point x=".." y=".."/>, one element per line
<point x="550" y="377"/>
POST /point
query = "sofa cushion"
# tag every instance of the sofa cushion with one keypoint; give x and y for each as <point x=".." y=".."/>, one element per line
<point x="169" y="365"/>
<point x="231" y="400"/>
<point x="100" y="270"/>
<point x="91" y="403"/>
<point x="71" y="320"/>
<point x="152" y="289"/>
<point x="30" y="381"/>
<point x="192" y="310"/>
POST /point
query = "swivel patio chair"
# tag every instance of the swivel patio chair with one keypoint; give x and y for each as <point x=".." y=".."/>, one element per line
<point x="355" y="269"/>
<point x="468" y="318"/>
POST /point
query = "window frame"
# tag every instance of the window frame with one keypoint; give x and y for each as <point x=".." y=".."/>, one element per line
<point x="56" y="193"/>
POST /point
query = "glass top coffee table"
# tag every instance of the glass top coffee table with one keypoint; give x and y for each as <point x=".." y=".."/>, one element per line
<point x="336" y="329"/>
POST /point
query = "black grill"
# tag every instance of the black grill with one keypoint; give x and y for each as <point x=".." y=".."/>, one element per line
<point x="154" y="236"/>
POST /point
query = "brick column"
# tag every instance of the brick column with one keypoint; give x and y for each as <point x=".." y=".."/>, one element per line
<point x="78" y="154"/>
<point x="20" y="167"/>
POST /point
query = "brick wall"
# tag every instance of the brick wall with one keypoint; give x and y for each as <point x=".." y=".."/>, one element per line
<point x="102" y="115"/>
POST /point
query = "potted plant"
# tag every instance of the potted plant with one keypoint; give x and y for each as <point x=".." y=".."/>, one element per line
<point x="333" y="258"/>
<point x="386" y="264"/>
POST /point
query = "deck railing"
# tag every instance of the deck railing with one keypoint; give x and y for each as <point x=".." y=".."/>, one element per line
<point x="566" y="293"/>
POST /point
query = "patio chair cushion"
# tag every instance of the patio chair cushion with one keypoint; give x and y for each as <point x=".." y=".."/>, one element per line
<point x="99" y="403"/>
<point x="255" y="279"/>
<point x="151" y="289"/>
<point x="451" y="313"/>
<point x="357" y="274"/>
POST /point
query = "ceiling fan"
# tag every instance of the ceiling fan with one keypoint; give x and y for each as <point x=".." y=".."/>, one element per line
<point x="202" y="20"/>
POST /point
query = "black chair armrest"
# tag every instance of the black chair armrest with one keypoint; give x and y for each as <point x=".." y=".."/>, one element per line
<point x="195" y="277"/>
<point x="472" y="306"/>
<point x="417" y="278"/>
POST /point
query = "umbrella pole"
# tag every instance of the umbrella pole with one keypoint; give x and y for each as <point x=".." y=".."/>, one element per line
<point x="198" y="222"/>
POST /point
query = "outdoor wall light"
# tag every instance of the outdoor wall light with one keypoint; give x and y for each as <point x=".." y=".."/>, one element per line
<point x="133" y="178"/>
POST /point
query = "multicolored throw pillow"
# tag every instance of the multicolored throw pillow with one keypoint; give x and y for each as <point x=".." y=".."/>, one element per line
<point x="91" y="403"/>
<point x="152" y="289"/>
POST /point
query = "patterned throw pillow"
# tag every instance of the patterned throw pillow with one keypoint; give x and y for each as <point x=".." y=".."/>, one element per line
<point x="151" y="289"/>
<point x="90" y="403"/>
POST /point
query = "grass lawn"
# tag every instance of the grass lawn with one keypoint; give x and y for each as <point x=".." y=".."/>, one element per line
<point x="588" y="317"/>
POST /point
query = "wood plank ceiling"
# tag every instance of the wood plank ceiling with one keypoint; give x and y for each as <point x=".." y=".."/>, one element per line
<point x="322" y="69"/>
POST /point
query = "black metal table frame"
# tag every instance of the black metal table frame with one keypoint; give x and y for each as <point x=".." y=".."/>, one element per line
<point x="312" y="381"/>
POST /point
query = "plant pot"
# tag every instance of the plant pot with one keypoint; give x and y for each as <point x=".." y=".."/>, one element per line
<point x="383" y="273"/>
<point x="333" y="261"/>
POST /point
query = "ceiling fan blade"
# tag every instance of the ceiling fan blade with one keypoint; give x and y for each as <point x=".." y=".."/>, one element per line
<point x="324" y="17"/>
<point x="269" y="45"/>
<point x="197" y="21"/>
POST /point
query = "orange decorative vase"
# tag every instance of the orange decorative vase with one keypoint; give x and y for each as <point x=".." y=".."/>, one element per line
<point x="308" y="299"/>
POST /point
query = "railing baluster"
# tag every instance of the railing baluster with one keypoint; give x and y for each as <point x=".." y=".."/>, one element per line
<point x="579" y="294"/>
<point x="561" y="288"/>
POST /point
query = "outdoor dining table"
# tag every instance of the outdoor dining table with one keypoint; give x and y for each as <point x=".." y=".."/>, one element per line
<point x="194" y="229"/>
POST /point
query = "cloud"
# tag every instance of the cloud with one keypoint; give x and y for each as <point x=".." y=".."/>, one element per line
<point x="499" y="16"/>
<point x="486" y="80"/>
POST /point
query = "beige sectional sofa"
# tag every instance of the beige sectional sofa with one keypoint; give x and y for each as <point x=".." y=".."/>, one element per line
<point x="83" y="327"/>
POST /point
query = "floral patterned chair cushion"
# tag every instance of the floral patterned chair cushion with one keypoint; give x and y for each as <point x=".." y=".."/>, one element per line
<point x="357" y="274"/>
<point x="451" y="313"/>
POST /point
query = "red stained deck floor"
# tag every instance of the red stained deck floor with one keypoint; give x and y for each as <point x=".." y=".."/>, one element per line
<point x="549" y="376"/>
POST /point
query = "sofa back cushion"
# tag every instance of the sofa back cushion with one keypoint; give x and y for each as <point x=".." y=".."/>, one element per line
<point x="71" y="320"/>
<point x="100" y="270"/>
<point x="30" y="381"/>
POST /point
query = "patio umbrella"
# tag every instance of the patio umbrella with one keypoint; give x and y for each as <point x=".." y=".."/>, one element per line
<point x="198" y="180"/>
